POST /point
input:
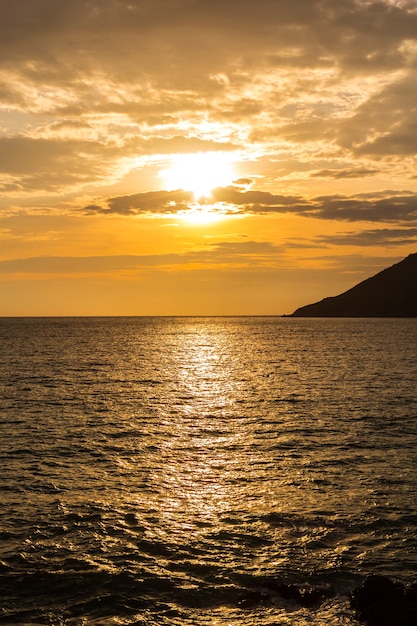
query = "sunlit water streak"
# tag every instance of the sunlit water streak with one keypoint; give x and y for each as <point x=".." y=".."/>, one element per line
<point x="193" y="470"/>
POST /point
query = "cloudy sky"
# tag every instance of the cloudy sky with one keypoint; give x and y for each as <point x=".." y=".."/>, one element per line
<point x="164" y="157"/>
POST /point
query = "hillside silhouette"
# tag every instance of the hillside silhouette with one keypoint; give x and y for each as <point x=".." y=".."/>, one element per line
<point x="390" y="293"/>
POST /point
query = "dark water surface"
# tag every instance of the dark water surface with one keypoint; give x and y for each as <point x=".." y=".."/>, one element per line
<point x="213" y="471"/>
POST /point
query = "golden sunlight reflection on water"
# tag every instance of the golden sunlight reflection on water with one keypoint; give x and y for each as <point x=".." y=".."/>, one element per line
<point x="197" y="475"/>
<point x="215" y="452"/>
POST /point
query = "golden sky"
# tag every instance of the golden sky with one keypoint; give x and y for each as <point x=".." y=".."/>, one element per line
<point x="203" y="157"/>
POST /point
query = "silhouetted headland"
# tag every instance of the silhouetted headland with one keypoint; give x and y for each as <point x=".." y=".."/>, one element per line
<point x="390" y="293"/>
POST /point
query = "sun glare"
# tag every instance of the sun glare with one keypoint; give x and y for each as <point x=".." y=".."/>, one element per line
<point x="202" y="216"/>
<point x="199" y="173"/>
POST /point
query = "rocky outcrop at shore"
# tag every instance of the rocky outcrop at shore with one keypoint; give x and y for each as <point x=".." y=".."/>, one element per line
<point x="379" y="601"/>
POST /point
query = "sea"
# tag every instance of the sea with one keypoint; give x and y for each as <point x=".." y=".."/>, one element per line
<point x="213" y="471"/>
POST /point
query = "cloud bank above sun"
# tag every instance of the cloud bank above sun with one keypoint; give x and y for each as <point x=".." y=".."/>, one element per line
<point x="309" y="90"/>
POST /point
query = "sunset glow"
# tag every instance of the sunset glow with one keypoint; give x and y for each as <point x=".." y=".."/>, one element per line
<point x="203" y="157"/>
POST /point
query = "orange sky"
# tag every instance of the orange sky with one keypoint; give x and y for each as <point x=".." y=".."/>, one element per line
<point x="181" y="157"/>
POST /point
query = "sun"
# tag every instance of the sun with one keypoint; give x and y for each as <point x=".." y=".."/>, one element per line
<point x="199" y="173"/>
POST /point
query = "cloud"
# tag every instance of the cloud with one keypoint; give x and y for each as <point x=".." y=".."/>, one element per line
<point x="377" y="237"/>
<point x="114" y="50"/>
<point x="222" y="253"/>
<point x="347" y="28"/>
<point x="390" y="208"/>
<point x="256" y="200"/>
<point x="179" y="144"/>
<point x="44" y="164"/>
<point x="97" y="86"/>
<point x="173" y="202"/>
<point x="381" y="207"/>
<point x="159" y="202"/>
<point x="386" y="124"/>
<point x="56" y="163"/>
<point x="358" y="172"/>
<point x="401" y="207"/>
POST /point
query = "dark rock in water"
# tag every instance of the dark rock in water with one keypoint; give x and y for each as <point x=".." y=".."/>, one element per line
<point x="312" y="597"/>
<point x="302" y="595"/>
<point x="390" y="293"/>
<point x="411" y="593"/>
<point x="252" y="598"/>
<point x="306" y="596"/>
<point x="381" y="602"/>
